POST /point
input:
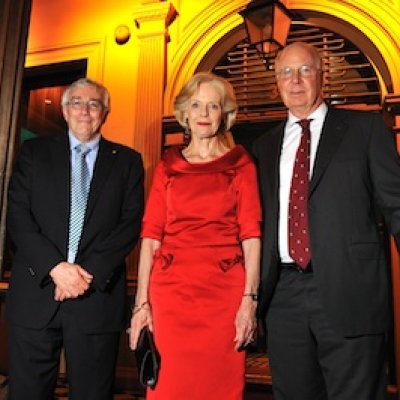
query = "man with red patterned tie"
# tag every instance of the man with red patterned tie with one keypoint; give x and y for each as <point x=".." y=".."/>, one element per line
<point x="324" y="286"/>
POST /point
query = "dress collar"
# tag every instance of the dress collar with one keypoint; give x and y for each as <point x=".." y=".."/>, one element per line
<point x="233" y="158"/>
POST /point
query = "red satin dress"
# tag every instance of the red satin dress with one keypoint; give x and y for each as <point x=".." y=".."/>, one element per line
<point x="200" y="212"/>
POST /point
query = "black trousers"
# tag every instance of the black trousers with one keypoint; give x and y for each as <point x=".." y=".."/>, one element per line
<point x="34" y="360"/>
<point x="308" y="359"/>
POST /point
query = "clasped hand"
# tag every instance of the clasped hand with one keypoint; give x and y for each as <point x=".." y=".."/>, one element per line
<point x="71" y="280"/>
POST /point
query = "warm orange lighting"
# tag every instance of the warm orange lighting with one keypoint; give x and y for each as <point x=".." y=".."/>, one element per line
<point x="267" y="24"/>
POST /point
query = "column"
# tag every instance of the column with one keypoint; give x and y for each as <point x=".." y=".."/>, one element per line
<point x="152" y="20"/>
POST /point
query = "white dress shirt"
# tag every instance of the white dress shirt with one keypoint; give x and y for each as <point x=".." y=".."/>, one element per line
<point x="291" y="141"/>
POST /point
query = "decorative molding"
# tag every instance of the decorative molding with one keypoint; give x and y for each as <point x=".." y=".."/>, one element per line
<point x="379" y="23"/>
<point x="153" y="18"/>
<point x="92" y="50"/>
<point x="197" y="38"/>
<point x="152" y="21"/>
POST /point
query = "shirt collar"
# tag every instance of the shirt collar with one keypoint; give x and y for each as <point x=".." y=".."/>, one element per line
<point x="92" y="144"/>
<point x="318" y="114"/>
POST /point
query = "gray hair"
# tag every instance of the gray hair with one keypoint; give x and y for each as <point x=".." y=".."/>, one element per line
<point x="82" y="82"/>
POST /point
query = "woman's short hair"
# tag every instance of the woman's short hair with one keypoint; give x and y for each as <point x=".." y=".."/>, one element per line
<point x="102" y="90"/>
<point x="221" y="85"/>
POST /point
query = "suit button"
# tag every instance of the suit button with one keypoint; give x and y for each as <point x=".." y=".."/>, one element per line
<point x="31" y="271"/>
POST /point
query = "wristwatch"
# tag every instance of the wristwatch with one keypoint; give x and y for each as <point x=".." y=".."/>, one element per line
<point x="253" y="296"/>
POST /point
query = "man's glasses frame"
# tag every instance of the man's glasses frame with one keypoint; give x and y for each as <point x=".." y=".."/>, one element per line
<point x="79" y="104"/>
<point x="304" y="71"/>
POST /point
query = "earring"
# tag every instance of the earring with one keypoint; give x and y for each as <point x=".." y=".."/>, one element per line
<point x="186" y="134"/>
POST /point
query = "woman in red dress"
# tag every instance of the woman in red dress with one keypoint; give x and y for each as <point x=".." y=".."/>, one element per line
<point x="199" y="260"/>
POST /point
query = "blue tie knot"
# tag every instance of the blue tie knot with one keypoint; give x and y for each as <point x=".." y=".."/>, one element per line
<point x="82" y="149"/>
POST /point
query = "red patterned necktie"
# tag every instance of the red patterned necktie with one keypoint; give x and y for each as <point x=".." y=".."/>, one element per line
<point x="299" y="240"/>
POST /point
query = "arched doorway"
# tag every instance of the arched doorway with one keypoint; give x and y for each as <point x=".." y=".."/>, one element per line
<point x="351" y="78"/>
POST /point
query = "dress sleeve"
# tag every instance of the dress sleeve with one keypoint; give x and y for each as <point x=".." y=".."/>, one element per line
<point x="249" y="208"/>
<point x="155" y="213"/>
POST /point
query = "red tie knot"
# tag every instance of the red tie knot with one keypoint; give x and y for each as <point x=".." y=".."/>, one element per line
<point x="305" y="124"/>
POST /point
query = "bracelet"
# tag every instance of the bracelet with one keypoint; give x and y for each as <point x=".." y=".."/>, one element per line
<point x="138" y="307"/>
<point x="253" y="296"/>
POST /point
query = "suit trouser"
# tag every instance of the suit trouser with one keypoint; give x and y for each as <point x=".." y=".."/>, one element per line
<point x="308" y="359"/>
<point x="34" y="360"/>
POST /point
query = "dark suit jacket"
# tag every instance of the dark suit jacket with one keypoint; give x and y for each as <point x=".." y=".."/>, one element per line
<point x="356" y="169"/>
<point x="38" y="213"/>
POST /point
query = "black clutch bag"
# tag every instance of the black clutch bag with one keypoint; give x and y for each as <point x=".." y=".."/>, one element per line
<point x="147" y="358"/>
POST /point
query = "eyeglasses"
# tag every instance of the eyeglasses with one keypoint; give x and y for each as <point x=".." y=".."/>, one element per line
<point x="92" y="105"/>
<point x="305" y="71"/>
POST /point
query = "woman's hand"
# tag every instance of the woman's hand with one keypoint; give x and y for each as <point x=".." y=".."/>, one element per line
<point x="245" y="323"/>
<point x="141" y="313"/>
<point x="141" y="317"/>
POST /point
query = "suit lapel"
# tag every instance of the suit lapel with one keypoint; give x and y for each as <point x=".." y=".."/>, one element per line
<point x="333" y="130"/>
<point x="60" y="164"/>
<point x="276" y="148"/>
<point x="269" y="150"/>
<point x="270" y="163"/>
<point x="273" y="172"/>
<point x="105" y="159"/>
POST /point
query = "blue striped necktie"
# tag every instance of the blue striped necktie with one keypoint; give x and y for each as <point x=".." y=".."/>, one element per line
<point x="80" y="183"/>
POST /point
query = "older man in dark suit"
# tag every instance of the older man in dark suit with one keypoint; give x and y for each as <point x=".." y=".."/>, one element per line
<point x="75" y="208"/>
<point x="325" y="287"/>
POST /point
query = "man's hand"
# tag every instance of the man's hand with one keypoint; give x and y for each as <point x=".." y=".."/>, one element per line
<point x="71" y="280"/>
